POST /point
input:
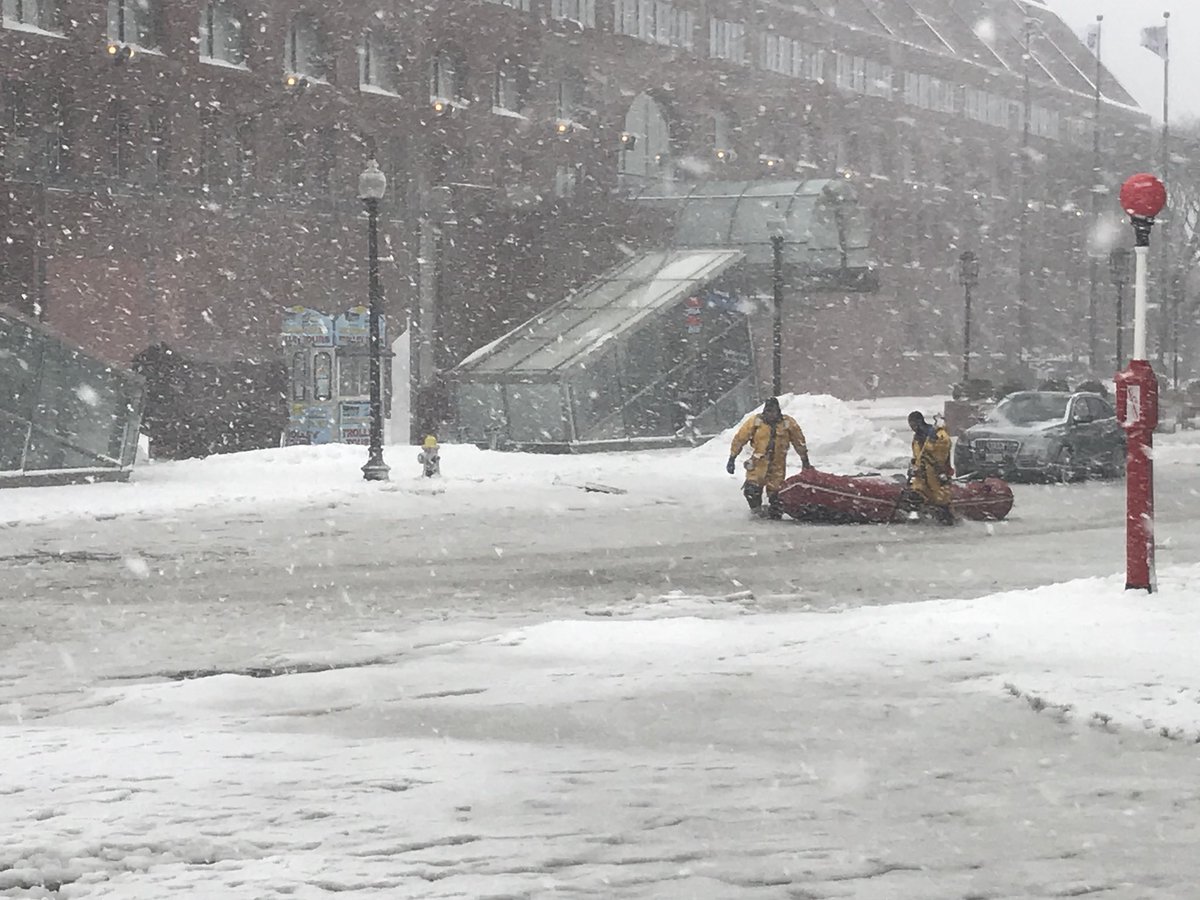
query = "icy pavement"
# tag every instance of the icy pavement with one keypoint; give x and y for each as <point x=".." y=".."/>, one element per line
<point x="1037" y="744"/>
<point x="255" y="676"/>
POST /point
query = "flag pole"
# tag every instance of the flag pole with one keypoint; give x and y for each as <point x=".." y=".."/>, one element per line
<point x="1097" y="179"/>
<point x="1167" y="312"/>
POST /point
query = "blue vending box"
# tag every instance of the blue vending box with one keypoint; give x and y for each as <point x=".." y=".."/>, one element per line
<point x="307" y="337"/>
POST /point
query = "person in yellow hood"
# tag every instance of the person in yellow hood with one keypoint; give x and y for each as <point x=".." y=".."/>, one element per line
<point x="769" y="434"/>
<point x="930" y="472"/>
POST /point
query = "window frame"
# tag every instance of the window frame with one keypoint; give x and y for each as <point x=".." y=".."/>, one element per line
<point x="579" y="12"/>
<point x="213" y="39"/>
<point x="315" y="63"/>
<point x="45" y="16"/>
<point x="147" y="27"/>
<point x="509" y="83"/>
<point x="373" y="41"/>
<point x="446" y="71"/>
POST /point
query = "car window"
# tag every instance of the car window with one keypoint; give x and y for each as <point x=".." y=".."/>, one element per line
<point x="1101" y="409"/>
<point x="1029" y="409"/>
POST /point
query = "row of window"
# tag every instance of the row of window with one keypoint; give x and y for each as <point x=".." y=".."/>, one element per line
<point x="223" y="28"/>
<point x="661" y="22"/>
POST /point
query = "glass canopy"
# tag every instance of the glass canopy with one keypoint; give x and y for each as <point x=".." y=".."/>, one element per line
<point x="647" y="350"/>
<point x="822" y="227"/>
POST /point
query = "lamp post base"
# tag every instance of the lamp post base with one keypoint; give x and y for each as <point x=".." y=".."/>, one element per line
<point x="375" y="470"/>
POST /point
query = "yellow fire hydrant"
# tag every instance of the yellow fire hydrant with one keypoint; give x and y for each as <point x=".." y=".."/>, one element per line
<point x="429" y="457"/>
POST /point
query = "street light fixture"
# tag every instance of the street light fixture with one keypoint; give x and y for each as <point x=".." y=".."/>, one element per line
<point x="1118" y="271"/>
<point x="371" y="186"/>
<point x="778" y="229"/>
<point x="968" y="277"/>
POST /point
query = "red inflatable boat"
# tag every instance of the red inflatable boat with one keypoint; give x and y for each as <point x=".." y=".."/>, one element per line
<point x="813" y="496"/>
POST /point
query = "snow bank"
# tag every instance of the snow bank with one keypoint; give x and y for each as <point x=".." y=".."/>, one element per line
<point x="840" y="438"/>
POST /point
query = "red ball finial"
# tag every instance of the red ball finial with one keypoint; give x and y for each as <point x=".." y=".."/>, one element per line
<point x="1143" y="196"/>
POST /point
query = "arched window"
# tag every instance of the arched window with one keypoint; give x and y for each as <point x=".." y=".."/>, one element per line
<point x="134" y="22"/>
<point x="222" y="33"/>
<point x="377" y="62"/>
<point x="648" y="158"/>
<point x="43" y="14"/>
<point x="305" y="52"/>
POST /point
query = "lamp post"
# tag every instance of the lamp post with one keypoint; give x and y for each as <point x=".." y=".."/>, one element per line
<point x="968" y="276"/>
<point x="777" y="280"/>
<point x="371" y="185"/>
<point x="1142" y="197"/>
<point x="1118" y="273"/>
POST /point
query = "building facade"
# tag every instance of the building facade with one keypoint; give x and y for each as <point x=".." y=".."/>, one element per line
<point x="181" y="173"/>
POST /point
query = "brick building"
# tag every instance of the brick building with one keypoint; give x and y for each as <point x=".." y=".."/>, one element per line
<point x="181" y="172"/>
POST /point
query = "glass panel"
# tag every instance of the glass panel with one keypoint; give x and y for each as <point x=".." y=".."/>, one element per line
<point x="595" y="395"/>
<point x="582" y="323"/>
<point x="79" y="402"/>
<point x="322" y="376"/>
<point x="300" y="375"/>
<point x="512" y="355"/>
<point x="20" y="356"/>
<point x="13" y="433"/>
<point x="535" y="413"/>
<point x="480" y="410"/>
<point x="705" y="222"/>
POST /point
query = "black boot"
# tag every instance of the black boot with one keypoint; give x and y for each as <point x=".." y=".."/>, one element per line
<point x="753" y="495"/>
<point x="774" y="506"/>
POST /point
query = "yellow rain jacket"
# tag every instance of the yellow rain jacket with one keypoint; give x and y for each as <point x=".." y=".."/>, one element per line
<point x="761" y="470"/>
<point x="931" y="459"/>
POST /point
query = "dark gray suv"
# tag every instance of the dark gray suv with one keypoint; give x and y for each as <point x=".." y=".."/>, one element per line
<point x="1045" y="434"/>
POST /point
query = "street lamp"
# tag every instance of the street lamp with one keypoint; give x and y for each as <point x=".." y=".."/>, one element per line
<point x="371" y="185"/>
<point x="1118" y="272"/>
<point x="968" y="277"/>
<point x="778" y="226"/>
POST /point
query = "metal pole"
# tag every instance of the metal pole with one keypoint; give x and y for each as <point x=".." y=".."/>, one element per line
<point x="1166" y="313"/>
<point x="1120" y="325"/>
<point x="967" y="336"/>
<point x="1140" y="301"/>
<point x="1024" y="329"/>
<point x="1097" y="178"/>
<point x="375" y="469"/>
<point x="777" y="337"/>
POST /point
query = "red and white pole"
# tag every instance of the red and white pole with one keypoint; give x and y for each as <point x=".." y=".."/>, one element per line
<point x="1143" y="197"/>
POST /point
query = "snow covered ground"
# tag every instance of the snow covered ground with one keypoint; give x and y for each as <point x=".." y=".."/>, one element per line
<point x="257" y="676"/>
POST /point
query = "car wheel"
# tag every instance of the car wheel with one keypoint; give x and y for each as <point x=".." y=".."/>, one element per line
<point x="1065" y="468"/>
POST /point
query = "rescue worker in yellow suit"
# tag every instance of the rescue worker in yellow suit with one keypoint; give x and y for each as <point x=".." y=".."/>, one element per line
<point x="930" y="472"/>
<point x="769" y="434"/>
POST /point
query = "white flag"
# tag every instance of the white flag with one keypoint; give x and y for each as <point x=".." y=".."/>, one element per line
<point x="1093" y="38"/>
<point x="1155" y="40"/>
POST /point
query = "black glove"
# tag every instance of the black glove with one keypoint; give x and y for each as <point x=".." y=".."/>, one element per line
<point x="805" y="464"/>
<point x="943" y="478"/>
<point x="731" y="466"/>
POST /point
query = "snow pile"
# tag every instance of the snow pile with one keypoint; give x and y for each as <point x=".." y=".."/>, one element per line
<point x="839" y="437"/>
